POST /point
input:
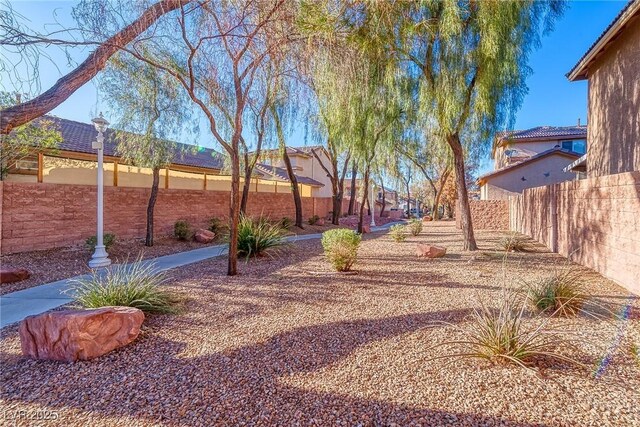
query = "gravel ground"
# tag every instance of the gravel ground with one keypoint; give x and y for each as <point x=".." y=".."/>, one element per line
<point x="61" y="263"/>
<point x="289" y="343"/>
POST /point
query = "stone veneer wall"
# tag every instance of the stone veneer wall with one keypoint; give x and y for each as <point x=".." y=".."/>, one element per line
<point x="595" y="222"/>
<point x="44" y="216"/>
<point x="487" y="214"/>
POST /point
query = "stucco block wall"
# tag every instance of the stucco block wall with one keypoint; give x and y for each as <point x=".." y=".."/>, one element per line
<point x="44" y="216"/>
<point x="594" y="222"/>
<point x="487" y="214"/>
<point x="614" y="107"/>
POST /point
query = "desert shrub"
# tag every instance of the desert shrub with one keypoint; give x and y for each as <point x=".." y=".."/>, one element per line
<point x="313" y="219"/>
<point x="500" y="334"/>
<point x="415" y="227"/>
<point x="512" y="243"/>
<point x="398" y="232"/>
<point x="132" y="285"/>
<point x="257" y="236"/>
<point x="107" y="238"/>
<point x="182" y="230"/>
<point x="561" y="293"/>
<point x="341" y="247"/>
<point x="285" y="222"/>
<point x="216" y="225"/>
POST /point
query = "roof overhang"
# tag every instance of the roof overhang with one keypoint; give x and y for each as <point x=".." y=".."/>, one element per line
<point x="579" y="165"/>
<point x="580" y="70"/>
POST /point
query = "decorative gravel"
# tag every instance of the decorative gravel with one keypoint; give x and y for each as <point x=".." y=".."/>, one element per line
<point x="284" y="345"/>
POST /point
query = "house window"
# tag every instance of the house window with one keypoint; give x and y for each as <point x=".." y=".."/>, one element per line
<point x="25" y="166"/>
<point x="577" y="145"/>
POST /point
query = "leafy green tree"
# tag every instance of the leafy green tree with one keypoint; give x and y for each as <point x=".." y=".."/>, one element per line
<point x="149" y="108"/>
<point x="24" y="140"/>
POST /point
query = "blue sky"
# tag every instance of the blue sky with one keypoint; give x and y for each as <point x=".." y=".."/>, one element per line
<point x="552" y="99"/>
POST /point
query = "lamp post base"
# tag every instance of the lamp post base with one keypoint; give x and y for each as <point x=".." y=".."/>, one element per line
<point x="100" y="258"/>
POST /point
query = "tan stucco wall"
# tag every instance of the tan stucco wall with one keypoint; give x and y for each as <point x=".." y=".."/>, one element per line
<point x="614" y="106"/>
<point x="310" y="167"/>
<point x="533" y="146"/>
<point x="500" y="186"/>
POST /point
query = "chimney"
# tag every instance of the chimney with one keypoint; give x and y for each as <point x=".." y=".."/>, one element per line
<point x="578" y="121"/>
<point x="18" y="98"/>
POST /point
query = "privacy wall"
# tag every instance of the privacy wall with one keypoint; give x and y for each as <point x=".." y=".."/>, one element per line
<point x="487" y="214"/>
<point x="44" y="216"/>
<point x="594" y="222"/>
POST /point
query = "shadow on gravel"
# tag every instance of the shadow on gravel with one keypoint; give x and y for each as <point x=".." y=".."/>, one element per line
<point x="241" y="386"/>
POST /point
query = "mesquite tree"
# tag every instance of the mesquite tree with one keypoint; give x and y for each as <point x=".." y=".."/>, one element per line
<point x="149" y="108"/>
<point x="214" y="52"/>
<point x="25" y="45"/>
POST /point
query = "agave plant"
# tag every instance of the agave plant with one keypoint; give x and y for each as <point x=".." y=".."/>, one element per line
<point x="259" y="236"/>
<point x="512" y="242"/>
<point x="561" y="293"/>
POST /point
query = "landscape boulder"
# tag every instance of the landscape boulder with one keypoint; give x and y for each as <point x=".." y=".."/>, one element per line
<point x="426" y="218"/>
<point x="205" y="236"/>
<point x="71" y="335"/>
<point x="320" y="221"/>
<point x="10" y="275"/>
<point x="429" y="251"/>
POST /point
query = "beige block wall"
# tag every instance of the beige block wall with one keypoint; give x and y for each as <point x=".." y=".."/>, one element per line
<point x="594" y="222"/>
<point x="487" y="214"/>
<point x="614" y="106"/>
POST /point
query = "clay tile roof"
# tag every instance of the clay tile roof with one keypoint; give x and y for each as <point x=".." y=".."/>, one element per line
<point x="546" y="132"/>
<point x="77" y="137"/>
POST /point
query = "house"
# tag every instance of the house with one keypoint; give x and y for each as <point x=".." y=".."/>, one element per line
<point x="532" y="158"/>
<point x="192" y="167"/>
<point x="612" y="66"/>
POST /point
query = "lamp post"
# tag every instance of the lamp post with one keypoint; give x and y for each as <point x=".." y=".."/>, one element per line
<point x="100" y="258"/>
<point x="373" y="205"/>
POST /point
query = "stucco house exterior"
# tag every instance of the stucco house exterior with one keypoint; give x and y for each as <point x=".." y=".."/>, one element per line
<point x="532" y="158"/>
<point x="612" y="66"/>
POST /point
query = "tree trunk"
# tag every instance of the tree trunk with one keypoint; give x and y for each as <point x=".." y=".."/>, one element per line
<point x="436" y="201"/>
<point x="234" y="214"/>
<point x="23" y="113"/>
<point x="408" y="200"/>
<point x="150" y="207"/>
<point x="365" y="197"/>
<point x="463" y="196"/>
<point x="294" y="189"/>
<point x="246" y="187"/>
<point x="384" y="200"/>
<point x="352" y="199"/>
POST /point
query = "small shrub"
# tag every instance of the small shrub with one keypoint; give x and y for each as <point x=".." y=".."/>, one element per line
<point x="415" y="227"/>
<point x="285" y="222"/>
<point x="341" y="247"/>
<point x="182" y="230"/>
<point x="313" y="219"/>
<point x="131" y="285"/>
<point x="559" y="294"/>
<point x="500" y="335"/>
<point x="398" y="232"/>
<point x="216" y="225"/>
<point x="257" y="236"/>
<point x="107" y="238"/>
<point x="512" y="243"/>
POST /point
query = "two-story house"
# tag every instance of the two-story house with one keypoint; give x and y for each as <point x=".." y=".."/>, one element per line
<point x="532" y="158"/>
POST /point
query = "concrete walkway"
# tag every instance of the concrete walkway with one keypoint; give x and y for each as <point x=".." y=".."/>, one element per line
<point x="15" y="306"/>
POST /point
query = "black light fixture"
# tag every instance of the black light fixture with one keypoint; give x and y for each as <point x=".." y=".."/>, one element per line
<point x="546" y="174"/>
<point x="523" y="178"/>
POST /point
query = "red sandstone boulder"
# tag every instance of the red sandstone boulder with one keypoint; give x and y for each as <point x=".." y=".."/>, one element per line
<point x="71" y="335"/>
<point x="429" y="251"/>
<point x="10" y="275"/>
<point x="320" y="221"/>
<point x="204" y="236"/>
<point x="426" y="218"/>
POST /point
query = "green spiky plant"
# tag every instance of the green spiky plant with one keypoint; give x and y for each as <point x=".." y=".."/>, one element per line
<point x="561" y="293"/>
<point x="259" y="236"/>
<point x="138" y="285"/>
<point x="500" y="334"/>
<point x="415" y="227"/>
<point x="512" y="242"/>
